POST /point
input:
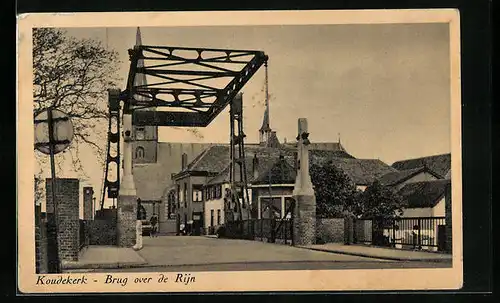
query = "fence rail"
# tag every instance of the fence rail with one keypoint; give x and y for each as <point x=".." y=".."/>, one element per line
<point x="427" y="233"/>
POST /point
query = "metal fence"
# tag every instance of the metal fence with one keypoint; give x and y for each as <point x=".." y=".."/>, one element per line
<point x="426" y="233"/>
<point x="267" y="230"/>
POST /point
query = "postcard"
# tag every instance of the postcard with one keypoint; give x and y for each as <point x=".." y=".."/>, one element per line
<point x="237" y="151"/>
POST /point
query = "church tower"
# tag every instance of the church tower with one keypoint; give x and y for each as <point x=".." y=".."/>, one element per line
<point x="145" y="144"/>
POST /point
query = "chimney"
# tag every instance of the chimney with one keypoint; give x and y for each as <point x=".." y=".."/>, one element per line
<point x="184" y="161"/>
<point x="255" y="166"/>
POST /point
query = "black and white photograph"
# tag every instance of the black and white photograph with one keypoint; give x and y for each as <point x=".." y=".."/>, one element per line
<point x="167" y="155"/>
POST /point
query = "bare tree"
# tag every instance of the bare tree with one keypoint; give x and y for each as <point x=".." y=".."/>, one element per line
<point x="73" y="75"/>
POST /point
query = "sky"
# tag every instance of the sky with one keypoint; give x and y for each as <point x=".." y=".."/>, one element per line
<point x="385" y="88"/>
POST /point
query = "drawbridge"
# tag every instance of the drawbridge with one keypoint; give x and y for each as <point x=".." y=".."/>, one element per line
<point x="185" y="87"/>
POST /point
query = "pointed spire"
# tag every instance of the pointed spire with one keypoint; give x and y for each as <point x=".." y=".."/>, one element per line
<point x="140" y="78"/>
<point x="138" y="39"/>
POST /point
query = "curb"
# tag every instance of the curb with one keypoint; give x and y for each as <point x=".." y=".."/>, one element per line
<point x="377" y="257"/>
<point x="103" y="265"/>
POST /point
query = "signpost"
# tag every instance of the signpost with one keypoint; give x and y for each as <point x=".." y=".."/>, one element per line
<point x="53" y="134"/>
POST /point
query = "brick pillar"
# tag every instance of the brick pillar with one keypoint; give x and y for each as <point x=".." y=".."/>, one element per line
<point x="88" y="195"/>
<point x="448" y="219"/>
<point x="126" y="220"/>
<point x="304" y="217"/>
<point x="67" y="195"/>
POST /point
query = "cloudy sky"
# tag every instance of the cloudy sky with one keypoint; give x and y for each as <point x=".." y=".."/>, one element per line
<point x="384" y="88"/>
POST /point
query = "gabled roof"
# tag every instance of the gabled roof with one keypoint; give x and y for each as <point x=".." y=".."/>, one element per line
<point x="439" y="164"/>
<point x="280" y="171"/>
<point x="212" y="160"/>
<point x="273" y="141"/>
<point x="424" y="194"/>
<point x="361" y="171"/>
<point x="396" y="177"/>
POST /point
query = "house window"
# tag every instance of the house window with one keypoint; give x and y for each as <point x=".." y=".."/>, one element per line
<point x="179" y="198"/>
<point x="197" y="193"/>
<point x="270" y="208"/>
<point x="207" y="196"/>
<point x="211" y="217"/>
<point x="185" y="194"/>
<point x="139" y="152"/>
<point x="218" y="191"/>
<point x="218" y="217"/>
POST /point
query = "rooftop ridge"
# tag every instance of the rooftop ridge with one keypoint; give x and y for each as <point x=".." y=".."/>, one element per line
<point x="423" y="157"/>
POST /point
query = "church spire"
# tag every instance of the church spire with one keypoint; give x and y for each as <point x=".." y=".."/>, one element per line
<point x="265" y="129"/>
<point x="140" y="78"/>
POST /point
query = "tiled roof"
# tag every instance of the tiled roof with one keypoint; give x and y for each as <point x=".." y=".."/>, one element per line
<point x="216" y="158"/>
<point x="213" y="160"/>
<point x="399" y="176"/>
<point x="439" y="164"/>
<point x="361" y="171"/>
<point x="280" y="171"/>
<point x="328" y="154"/>
<point x="424" y="194"/>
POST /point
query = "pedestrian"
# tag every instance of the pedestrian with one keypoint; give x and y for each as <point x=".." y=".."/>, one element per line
<point x="154" y="225"/>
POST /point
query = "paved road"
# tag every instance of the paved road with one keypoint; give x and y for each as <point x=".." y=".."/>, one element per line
<point x="182" y="253"/>
<point x="188" y="250"/>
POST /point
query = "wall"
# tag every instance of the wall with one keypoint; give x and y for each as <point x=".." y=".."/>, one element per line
<point x="417" y="212"/>
<point x="41" y="257"/>
<point x="330" y="230"/>
<point x="152" y="179"/>
<point x="102" y="231"/>
<point x="67" y="195"/>
<point x="439" y="209"/>
<point x="436" y="211"/>
<point x="215" y="204"/>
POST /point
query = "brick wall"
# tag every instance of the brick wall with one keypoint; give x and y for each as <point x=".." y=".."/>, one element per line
<point x="67" y="195"/>
<point x="41" y="257"/>
<point x="330" y="230"/>
<point x="448" y="218"/>
<point x="102" y="232"/>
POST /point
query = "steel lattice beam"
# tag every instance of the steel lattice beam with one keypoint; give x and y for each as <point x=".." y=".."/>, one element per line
<point x="182" y="76"/>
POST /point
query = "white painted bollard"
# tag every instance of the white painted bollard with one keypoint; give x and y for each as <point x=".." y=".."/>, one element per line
<point x="138" y="235"/>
